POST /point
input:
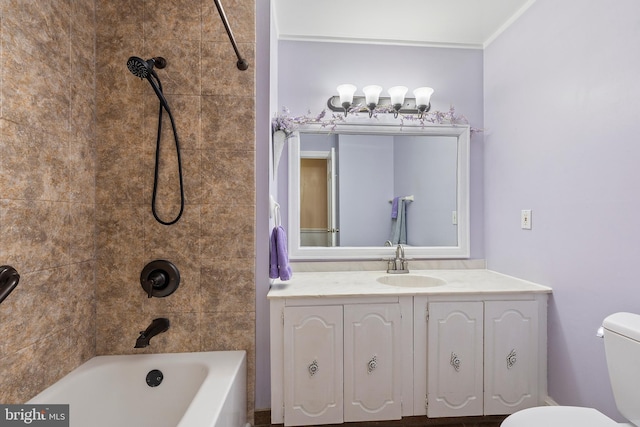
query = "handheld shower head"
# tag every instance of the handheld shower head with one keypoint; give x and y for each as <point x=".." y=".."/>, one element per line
<point x="144" y="69"/>
<point x="141" y="68"/>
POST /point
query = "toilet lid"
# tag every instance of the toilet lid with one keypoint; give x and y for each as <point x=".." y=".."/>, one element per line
<point x="558" y="416"/>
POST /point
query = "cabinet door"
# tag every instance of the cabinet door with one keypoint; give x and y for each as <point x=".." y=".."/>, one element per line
<point x="372" y="368"/>
<point x="454" y="349"/>
<point x="313" y="348"/>
<point x="511" y="356"/>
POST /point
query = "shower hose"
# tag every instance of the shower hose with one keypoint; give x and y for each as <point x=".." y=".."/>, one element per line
<point x="157" y="160"/>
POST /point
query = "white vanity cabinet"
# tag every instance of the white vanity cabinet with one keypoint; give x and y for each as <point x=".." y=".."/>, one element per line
<point x="341" y="362"/>
<point x="313" y="361"/>
<point x="512" y="353"/>
<point x="483" y="357"/>
<point x="454" y="359"/>
<point x="372" y="362"/>
<point x="346" y="347"/>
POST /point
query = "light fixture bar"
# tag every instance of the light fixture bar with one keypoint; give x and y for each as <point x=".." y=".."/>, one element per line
<point x="408" y="107"/>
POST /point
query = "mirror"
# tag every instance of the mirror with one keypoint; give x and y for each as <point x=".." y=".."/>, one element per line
<point x="343" y="182"/>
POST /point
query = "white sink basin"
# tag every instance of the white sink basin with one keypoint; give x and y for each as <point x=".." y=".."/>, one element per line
<point x="410" y="281"/>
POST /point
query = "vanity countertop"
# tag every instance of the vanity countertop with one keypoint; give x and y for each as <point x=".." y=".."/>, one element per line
<point x="361" y="283"/>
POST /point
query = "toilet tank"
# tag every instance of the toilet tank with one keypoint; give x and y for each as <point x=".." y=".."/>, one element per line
<point x="622" y="348"/>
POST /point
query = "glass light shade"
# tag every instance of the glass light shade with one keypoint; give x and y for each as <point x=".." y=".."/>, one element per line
<point x="423" y="95"/>
<point x="372" y="94"/>
<point x="346" y="93"/>
<point x="397" y="94"/>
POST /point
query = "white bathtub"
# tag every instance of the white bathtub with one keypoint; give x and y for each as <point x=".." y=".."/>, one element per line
<point x="205" y="389"/>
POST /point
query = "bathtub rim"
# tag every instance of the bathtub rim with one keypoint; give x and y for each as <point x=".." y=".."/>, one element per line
<point x="207" y="403"/>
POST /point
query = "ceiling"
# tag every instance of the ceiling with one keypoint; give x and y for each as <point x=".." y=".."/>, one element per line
<point x="441" y="23"/>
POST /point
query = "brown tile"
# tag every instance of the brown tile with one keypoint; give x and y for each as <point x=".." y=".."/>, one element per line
<point x="81" y="162"/>
<point x="121" y="121"/>
<point x="82" y="307"/>
<point x="82" y="123"/>
<point x="228" y="175"/>
<point x="40" y="29"/>
<point x="229" y="123"/>
<point x="34" y="164"/>
<point x="83" y="24"/>
<point x="118" y="334"/>
<point x="241" y="17"/>
<point x="220" y="74"/>
<point x="227" y="285"/>
<point x="172" y="19"/>
<point x="186" y="112"/>
<point x="227" y="232"/>
<point x="82" y="241"/>
<point x="114" y="81"/>
<point x="192" y="175"/>
<point x="120" y="18"/>
<point x="174" y="242"/>
<point x="181" y="76"/>
<point x="120" y="233"/>
<point x="120" y="172"/>
<point x="30" y="99"/>
<point x="36" y="234"/>
<point x="21" y="376"/>
<point x="228" y="331"/>
<point x="118" y="286"/>
<point x="168" y="184"/>
<point x="48" y="133"/>
<point x="42" y="290"/>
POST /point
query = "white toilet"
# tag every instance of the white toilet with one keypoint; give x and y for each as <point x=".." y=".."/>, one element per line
<point x="622" y="348"/>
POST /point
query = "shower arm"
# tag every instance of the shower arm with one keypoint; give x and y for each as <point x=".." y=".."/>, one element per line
<point x="242" y="63"/>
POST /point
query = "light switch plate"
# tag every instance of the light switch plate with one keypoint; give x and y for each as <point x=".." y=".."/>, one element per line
<point x="525" y="219"/>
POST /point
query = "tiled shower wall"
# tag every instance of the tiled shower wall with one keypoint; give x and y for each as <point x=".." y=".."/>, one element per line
<point x="75" y="190"/>
<point x="213" y="243"/>
<point x="47" y="191"/>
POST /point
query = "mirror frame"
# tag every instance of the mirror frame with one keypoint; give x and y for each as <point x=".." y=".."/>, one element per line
<point x="301" y="253"/>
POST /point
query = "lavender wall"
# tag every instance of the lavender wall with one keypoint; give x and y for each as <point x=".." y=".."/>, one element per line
<point x="309" y="72"/>
<point x="561" y="104"/>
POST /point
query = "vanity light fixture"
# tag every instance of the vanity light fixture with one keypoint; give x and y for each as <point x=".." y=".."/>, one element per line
<point x="423" y="99"/>
<point x="397" y="94"/>
<point x="346" y="92"/>
<point x="371" y="97"/>
<point x="371" y="102"/>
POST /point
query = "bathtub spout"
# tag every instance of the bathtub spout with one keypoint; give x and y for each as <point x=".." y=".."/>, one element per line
<point x="156" y="327"/>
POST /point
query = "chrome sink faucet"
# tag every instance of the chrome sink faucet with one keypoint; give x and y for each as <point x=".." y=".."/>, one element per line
<point x="399" y="265"/>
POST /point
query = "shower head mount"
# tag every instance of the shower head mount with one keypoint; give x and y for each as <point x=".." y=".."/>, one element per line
<point x="141" y="68"/>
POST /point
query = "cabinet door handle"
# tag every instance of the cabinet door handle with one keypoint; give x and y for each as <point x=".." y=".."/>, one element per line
<point x="455" y="361"/>
<point x="372" y="364"/>
<point x="313" y="368"/>
<point x="511" y="358"/>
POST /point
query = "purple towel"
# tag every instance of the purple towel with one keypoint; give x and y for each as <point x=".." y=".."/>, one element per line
<point x="273" y="257"/>
<point x="394" y="208"/>
<point x="278" y="256"/>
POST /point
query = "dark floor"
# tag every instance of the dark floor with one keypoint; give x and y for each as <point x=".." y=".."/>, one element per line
<point x="263" y="419"/>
